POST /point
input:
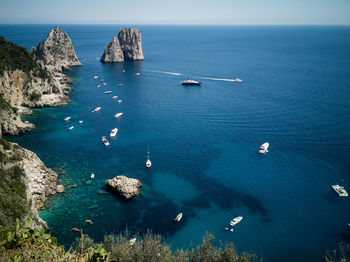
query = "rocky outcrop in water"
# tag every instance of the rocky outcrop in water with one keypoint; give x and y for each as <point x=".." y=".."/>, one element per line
<point x="113" y="52"/>
<point x="124" y="186"/>
<point x="57" y="51"/>
<point x="127" y="46"/>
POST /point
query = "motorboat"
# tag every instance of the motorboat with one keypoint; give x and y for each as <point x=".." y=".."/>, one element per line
<point x="235" y="221"/>
<point x="67" y="118"/>
<point x="104" y="84"/>
<point x="340" y="190"/>
<point x="137" y="74"/>
<point x="105" y="141"/>
<point x="189" y="82"/>
<point x="120" y="101"/>
<point x="178" y="217"/>
<point x="101" y="80"/>
<point x="92" y="176"/>
<point x="71" y="127"/>
<point x="118" y="115"/>
<point x="97" y="109"/>
<point x="120" y="84"/>
<point x="95" y="77"/>
<point x="114" y="97"/>
<point x="113" y="132"/>
<point x="108" y="92"/>
<point x="238" y="80"/>
<point x="81" y="121"/>
<point x="132" y="241"/>
<point x="263" y="148"/>
<point x="99" y="86"/>
<point x="148" y="162"/>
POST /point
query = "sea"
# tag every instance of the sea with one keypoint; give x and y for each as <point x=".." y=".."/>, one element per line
<point x="204" y="140"/>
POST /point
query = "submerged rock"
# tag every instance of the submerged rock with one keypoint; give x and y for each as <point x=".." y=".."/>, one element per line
<point x="57" y="51"/>
<point x="130" y="42"/>
<point x="124" y="186"/>
<point x="113" y="52"/>
<point x="60" y="189"/>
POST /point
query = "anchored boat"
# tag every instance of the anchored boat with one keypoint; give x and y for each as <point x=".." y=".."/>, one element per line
<point x="113" y="132"/>
<point x="148" y="162"/>
<point x="340" y="190"/>
<point x="263" y="148"/>
<point x="178" y="217"/>
<point x="105" y="141"/>
<point x="235" y="221"/>
<point x="118" y="115"/>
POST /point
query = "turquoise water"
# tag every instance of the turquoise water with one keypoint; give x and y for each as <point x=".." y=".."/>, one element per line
<point x="204" y="140"/>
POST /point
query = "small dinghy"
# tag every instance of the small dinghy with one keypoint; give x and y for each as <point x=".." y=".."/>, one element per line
<point x="95" y="77"/>
<point x="108" y="92"/>
<point x="104" y="84"/>
<point x="92" y="176"/>
<point x="118" y="115"/>
<point x="67" y="118"/>
<point x="137" y="74"/>
<point x="81" y="121"/>
<point x="71" y="127"/>
<point x="105" y="141"/>
<point x="178" y="217"/>
<point x="263" y="148"/>
<point x="99" y="86"/>
<point x="97" y="109"/>
<point x="120" y="101"/>
<point x="114" y="97"/>
<point x="235" y="221"/>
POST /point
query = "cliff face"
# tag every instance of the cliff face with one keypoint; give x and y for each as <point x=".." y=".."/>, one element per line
<point x="57" y="51"/>
<point x="127" y="46"/>
<point x="21" y="166"/>
<point x="113" y="52"/>
<point x="130" y="42"/>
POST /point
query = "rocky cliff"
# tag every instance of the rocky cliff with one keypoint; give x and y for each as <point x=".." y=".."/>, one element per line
<point x="20" y="167"/>
<point x="127" y="46"/>
<point x="24" y="83"/>
<point x="113" y="52"/>
<point x="57" y="51"/>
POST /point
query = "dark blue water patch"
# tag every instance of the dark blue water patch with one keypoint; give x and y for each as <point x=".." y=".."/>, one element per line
<point x="204" y="140"/>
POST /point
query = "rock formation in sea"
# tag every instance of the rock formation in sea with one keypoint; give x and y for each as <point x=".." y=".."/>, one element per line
<point x="40" y="182"/>
<point x="124" y="186"/>
<point x="57" y="51"/>
<point x="26" y="83"/>
<point x="127" y="46"/>
<point x="113" y="52"/>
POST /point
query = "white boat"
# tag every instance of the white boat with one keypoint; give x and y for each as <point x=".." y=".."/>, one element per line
<point x="114" y="97"/>
<point x="71" y="127"/>
<point x="92" y="176"/>
<point x="104" y="84"/>
<point x="235" y="221"/>
<point x="178" y="217"/>
<point x="95" y="77"/>
<point x="238" y="80"/>
<point x="137" y="74"/>
<point x="189" y="82"/>
<point x="148" y="162"/>
<point x="120" y="84"/>
<point x="123" y="71"/>
<point x="67" y="118"/>
<point x="113" y="132"/>
<point x="97" y="109"/>
<point x="105" y="141"/>
<point x="108" y="92"/>
<point x="99" y="86"/>
<point x="81" y="121"/>
<point x="263" y="148"/>
<point x="132" y="241"/>
<point x="118" y="115"/>
<point x="340" y="190"/>
<point x="101" y="80"/>
<point x="120" y="101"/>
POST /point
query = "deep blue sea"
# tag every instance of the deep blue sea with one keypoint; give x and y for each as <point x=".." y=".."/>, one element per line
<point x="204" y="140"/>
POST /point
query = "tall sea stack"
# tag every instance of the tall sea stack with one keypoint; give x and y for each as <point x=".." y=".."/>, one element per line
<point x="127" y="46"/>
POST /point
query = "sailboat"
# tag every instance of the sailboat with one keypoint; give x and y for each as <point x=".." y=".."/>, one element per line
<point x="148" y="162"/>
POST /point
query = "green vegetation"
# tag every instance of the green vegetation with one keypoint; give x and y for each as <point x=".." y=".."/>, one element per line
<point x="21" y="243"/>
<point x="6" y="145"/>
<point x="4" y="105"/>
<point x="35" y="96"/>
<point x="14" y="57"/>
<point x="13" y="203"/>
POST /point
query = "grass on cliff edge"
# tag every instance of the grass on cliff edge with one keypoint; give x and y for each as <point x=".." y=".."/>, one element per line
<point x="14" y="57"/>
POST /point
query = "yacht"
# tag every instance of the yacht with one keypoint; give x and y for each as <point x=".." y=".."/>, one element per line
<point x="235" y="221"/>
<point x="105" y="141"/>
<point x="114" y="97"/>
<point x="148" y="162"/>
<point x="113" y="132"/>
<point x="264" y="147"/>
<point x="178" y="217"/>
<point x="92" y="176"/>
<point x="189" y="82"/>
<point x="67" y="118"/>
<point x="108" y="92"/>
<point x="118" y="115"/>
<point x="340" y="190"/>
<point x="71" y="127"/>
<point x="238" y="80"/>
<point x="81" y="121"/>
<point x="97" y="109"/>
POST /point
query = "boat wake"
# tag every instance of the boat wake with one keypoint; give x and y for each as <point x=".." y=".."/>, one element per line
<point x="219" y="79"/>
<point x="166" y="72"/>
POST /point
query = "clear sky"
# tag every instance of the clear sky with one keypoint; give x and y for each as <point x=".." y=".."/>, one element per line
<point x="229" y="12"/>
